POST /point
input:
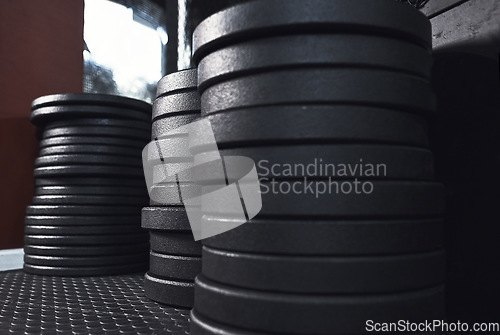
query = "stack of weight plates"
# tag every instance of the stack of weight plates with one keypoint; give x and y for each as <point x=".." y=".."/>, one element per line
<point x="89" y="186"/>
<point x="330" y="98"/>
<point x="175" y="257"/>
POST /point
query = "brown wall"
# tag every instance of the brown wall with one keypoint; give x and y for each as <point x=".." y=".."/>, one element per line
<point x="41" y="45"/>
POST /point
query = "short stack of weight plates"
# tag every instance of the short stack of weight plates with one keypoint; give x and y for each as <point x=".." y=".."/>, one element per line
<point x="89" y="186"/>
<point x="341" y="83"/>
<point x="175" y="257"/>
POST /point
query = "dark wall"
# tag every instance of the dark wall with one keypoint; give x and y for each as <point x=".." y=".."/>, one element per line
<point x="41" y="44"/>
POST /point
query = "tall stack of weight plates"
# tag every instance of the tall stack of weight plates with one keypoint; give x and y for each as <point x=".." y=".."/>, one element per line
<point x="330" y="98"/>
<point x="89" y="186"/>
<point x="175" y="257"/>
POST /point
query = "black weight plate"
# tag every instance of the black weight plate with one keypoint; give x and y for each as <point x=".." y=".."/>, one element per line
<point x="377" y="88"/>
<point x="169" y="292"/>
<point x="167" y="124"/>
<point x="128" y="133"/>
<point x="83" y="210"/>
<point x="90" y="149"/>
<point x="317" y="161"/>
<point x="73" y="240"/>
<point x="322" y="237"/>
<point x="100" y="122"/>
<point x="314" y="124"/>
<point x="165" y="218"/>
<point x="176" y="103"/>
<point x="172" y="193"/>
<point x="76" y="271"/>
<point x="174" y="267"/>
<point x="312" y="314"/>
<point x="92" y="190"/>
<point x="106" y="250"/>
<point x="84" y="140"/>
<point x="88" y="170"/>
<point x="89" y="200"/>
<point x="320" y="274"/>
<point x="172" y="173"/>
<point x="43" y="115"/>
<point x="81" y="230"/>
<point x="81" y="220"/>
<point x="75" y="261"/>
<point x="90" y="99"/>
<point x="180" y="80"/>
<point x="173" y="243"/>
<point x="169" y="149"/>
<point x="87" y="181"/>
<point x="387" y="199"/>
<point x="279" y="17"/>
<point x="294" y="51"/>
<point x="88" y="159"/>
<point x="203" y="326"/>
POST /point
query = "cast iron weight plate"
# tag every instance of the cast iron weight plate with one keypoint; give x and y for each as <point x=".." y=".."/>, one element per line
<point x="165" y="218"/>
<point x="387" y="200"/>
<point x="321" y="237"/>
<point x="94" y="140"/>
<point x="90" y="149"/>
<point x="127" y="133"/>
<point x="81" y="230"/>
<point x="278" y="17"/>
<point x="44" y="115"/>
<point x="89" y="160"/>
<point x="76" y="271"/>
<point x="78" y="262"/>
<point x="176" y="103"/>
<point x="169" y="292"/>
<point x="312" y="314"/>
<point x="82" y="200"/>
<point x="106" y="250"/>
<point x="83" y="210"/>
<point x="180" y="80"/>
<point x="167" y="124"/>
<point x="174" y="243"/>
<point x="82" y="220"/>
<point x="85" y="181"/>
<point x="293" y="51"/>
<point x="74" y="240"/>
<point x="92" y="190"/>
<point x="316" y="161"/>
<point x="368" y="87"/>
<point x="324" y="274"/>
<point x="172" y="194"/>
<point x="117" y="170"/>
<point x="174" y="267"/>
<point x="314" y="124"/>
<point x="99" y="122"/>
<point x="91" y="99"/>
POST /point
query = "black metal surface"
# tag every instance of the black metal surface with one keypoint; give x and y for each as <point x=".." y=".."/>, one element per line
<point x="94" y="181"/>
<point x="257" y="19"/>
<point x="331" y="123"/>
<point x="339" y="237"/>
<point x="181" y="243"/>
<point x="180" y="80"/>
<point x="115" y="170"/>
<point x="90" y="99"/>
<point x="82" y="210"/>
<point x="67" y="271"/>
<point x="92" y="219"/>
<point x="141" y="125"/>
<point x="162" y="126"/>
<point x="176" y="103"/>
<point x="127" y="133"/>
<point x="294" y="51"/>
<point x="77" y="262"/>
<point x="84" y="240"/>
<point x="90" y="159"/>
<point x="394" y="162"/>
<point x="31" y="304"/>
<point x="169" y="292"/>
<point x="324" y="86"/>
<point x="106" y="250"/>
<point x="83" y="200"/>
<point x="81" y="229"/>
<point x="165" y="218"/>
<point x="325" y="274"/>
<point x="92" y="140"/>
<point x="91" y="190"/>
<point x="173" y="266"/>
<point x="312" y="314"/>
<point x="100" y="149"/>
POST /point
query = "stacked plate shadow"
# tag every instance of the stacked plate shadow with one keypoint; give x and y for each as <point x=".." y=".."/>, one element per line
<point x="175" y="257"/>
<point x="331" y="100"/>
<point x="89" y="186"/>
